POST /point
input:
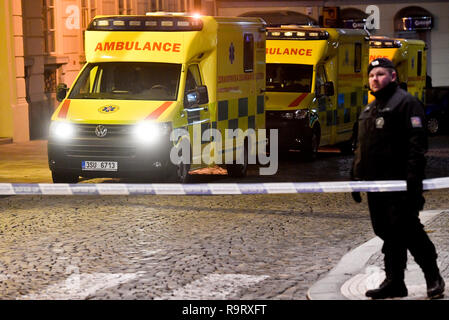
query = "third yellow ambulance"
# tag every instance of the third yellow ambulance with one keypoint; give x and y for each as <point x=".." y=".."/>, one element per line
<point x="408" y="56"/>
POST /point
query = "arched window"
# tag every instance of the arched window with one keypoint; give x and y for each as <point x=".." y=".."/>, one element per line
<point x="352" y="18"/>
<point x="413" y="19"/>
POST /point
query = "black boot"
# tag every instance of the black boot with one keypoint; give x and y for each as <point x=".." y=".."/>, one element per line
<point x="435" y="285"/>
<point x="388" y="289"/>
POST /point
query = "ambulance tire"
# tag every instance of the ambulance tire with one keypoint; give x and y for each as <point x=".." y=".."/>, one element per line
<point x="239" y="170"/>
<point x="181" y="173"/>
<point x="63" y="177"/>
<point x="310" y="150"/>
<point x="178" y="173"/>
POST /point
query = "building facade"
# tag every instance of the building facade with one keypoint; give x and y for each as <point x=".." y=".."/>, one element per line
<point x="410" y="19"/>
<point x="43" y="41"/>
<point x="14" y="120"/>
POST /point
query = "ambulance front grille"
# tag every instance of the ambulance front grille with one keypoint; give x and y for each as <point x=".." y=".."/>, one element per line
<point x="113" y="130"/>
<point x="116" y="143"/>
<point x="100" y="152"/>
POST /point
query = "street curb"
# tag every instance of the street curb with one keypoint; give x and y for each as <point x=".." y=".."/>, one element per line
<point x="352" y="263"/>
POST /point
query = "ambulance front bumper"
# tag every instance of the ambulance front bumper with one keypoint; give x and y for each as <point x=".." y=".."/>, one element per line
<point x="107" y="158"/>
<point x="292" y="132"/>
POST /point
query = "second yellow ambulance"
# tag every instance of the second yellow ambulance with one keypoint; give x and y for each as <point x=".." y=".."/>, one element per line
<point x="316" y="81"/>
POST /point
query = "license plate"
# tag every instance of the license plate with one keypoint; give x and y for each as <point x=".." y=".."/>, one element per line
<point x="99" y="165"/>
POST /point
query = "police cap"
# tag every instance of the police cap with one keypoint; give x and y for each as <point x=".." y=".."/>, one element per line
<point x="380" y="62"/>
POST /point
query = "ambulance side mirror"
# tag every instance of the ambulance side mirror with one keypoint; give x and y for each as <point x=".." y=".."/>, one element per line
<point x="196" y="97"/>
<point x="61" y="91"/>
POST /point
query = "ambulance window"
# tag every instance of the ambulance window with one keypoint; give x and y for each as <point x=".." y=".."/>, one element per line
<point x="128" y="81"/>
<point x="248" y="52"/>
<point x="358" y="57"/>
<point x="91" y="85"/>
<point x="321" y="76"/>
<point x="289" y="77"/>
<point x="419" y="63"/>
<point x="320" y="80"/>
<point x="193" y="78"/>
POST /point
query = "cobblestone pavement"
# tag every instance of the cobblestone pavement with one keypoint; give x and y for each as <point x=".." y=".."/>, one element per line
<point x="215" y="247"/>
<point x="166" y="247"/>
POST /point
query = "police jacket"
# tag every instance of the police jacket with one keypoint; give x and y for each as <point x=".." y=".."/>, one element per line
<point x="392" y="139"/>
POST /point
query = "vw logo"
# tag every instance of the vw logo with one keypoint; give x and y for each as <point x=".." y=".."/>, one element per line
<point x="101" y="131"/>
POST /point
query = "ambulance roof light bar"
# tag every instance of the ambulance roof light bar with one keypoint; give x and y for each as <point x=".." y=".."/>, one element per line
<point x="146" y="23"/>
<point x="290" y="34"/>
<point x="385" y="43"/>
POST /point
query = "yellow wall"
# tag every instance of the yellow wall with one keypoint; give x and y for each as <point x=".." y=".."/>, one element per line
<point x="7" y="70"/>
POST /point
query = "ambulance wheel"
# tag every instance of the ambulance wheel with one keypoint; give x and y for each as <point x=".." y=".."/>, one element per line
<point x="63" y="177"/>
<point x="239" y="170"/>
<point x="310" y="150"/>
<point x="181" y="174"/>
<point x="178" y="173"/>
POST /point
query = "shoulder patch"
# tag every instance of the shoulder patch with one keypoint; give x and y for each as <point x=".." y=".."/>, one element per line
<point x="416" y="122"/>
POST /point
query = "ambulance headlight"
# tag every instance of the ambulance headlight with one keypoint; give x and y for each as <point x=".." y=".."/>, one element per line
<point x="287" y="115"/>
<point x="151" y="132"/>
<point x="301" y="114"/>
<point x="61" y="130"/>
<point x="298" y="114"/>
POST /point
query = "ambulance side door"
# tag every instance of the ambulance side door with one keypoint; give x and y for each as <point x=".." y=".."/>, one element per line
<point x="324" y="105"/>
<point x="198" y="113"/>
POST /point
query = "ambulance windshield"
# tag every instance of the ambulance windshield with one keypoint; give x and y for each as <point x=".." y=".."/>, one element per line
<point x="289" y="77"/>
<point x="128" y="81"/>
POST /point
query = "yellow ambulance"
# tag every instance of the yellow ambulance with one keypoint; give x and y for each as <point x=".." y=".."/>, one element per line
<point x="154" y="93"/>
<point x="316" y="81"/>
<point x="409" y="58"/>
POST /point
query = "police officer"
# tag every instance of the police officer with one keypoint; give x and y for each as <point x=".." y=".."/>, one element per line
<point x="391" y="145"/>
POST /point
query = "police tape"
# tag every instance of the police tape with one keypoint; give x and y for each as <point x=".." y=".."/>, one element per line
<point x="214" y="188"/>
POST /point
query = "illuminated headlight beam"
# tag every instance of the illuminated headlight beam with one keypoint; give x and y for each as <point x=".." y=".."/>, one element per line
<point x="62" y="130"/>
<point x="150" y="132"/>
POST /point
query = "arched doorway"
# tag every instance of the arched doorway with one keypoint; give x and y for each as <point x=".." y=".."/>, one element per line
<point x="352" y="18"/>
<point x="415" y="22"/>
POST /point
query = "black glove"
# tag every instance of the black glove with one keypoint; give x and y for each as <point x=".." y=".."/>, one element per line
<point x="356" y="196"/>
<point x="414" y="194"/>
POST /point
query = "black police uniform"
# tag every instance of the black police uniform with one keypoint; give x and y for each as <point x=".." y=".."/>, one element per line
<point x="391" y="145"/>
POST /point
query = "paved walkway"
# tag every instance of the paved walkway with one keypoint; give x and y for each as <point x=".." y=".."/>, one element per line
<point x="362" y="268"/>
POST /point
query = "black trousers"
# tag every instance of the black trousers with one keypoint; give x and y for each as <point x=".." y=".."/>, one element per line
<point x="397" y="223"/>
